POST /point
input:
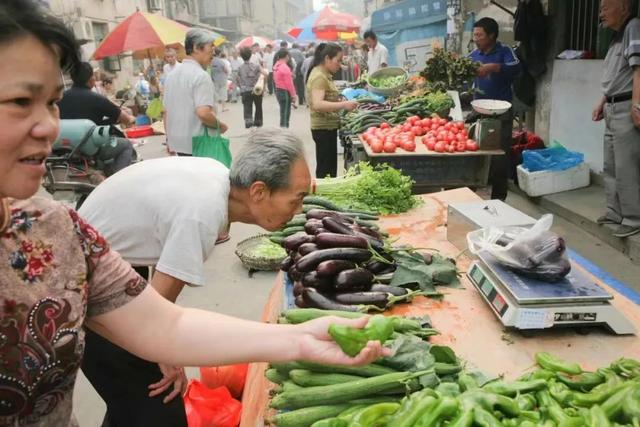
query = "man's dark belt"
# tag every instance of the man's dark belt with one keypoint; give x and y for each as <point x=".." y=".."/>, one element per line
<point x="619" y="98"/>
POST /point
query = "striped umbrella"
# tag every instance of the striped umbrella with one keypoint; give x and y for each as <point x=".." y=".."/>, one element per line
<point x="326" y="24"/>
<point x="144" y="33"/>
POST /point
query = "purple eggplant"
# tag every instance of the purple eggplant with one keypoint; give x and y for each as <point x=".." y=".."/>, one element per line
<point x="376" y="267"/>
<point x="307" y="248"/>
<point x="294" y="274"/>
<point x="393" y="290"/>
<point x="336" y="226"/>
<point x="312" y="226"/>
<point x="332" y="267"/>
<point x="297" y="288"/>
<point x="310" y="261"/>
<point x="313" y="298"/>
<point x="313" y="280"/>
<point x="335" y="240"/>
<point x="355" y="279"/>
<point x="321" y="213"/>
<point x="292" y="242"/>
<point x="379" y="299"/>
<point x="286" y="264"/>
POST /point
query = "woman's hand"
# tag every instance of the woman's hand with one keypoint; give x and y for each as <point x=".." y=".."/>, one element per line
<point x="316" y="345"/>
<point x="170" y="375"/>
<point x="349" y="105"/>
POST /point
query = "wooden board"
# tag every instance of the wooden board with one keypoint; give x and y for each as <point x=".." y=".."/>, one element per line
<point x="421" y="150"/>
<point x="467" y="323"/>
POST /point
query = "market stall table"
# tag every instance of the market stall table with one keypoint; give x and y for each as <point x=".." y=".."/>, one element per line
<point x="465" y="321"/>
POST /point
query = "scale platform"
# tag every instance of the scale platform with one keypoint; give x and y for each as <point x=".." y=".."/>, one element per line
<point x="525" y="303"/>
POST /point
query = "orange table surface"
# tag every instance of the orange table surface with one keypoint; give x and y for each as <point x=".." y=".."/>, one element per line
<point x="465" y="321"/>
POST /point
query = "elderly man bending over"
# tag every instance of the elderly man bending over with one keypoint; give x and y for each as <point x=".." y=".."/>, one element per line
<point x="168" y="213"/>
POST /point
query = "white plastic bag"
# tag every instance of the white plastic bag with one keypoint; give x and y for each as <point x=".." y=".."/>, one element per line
<point x="536" y="252"/>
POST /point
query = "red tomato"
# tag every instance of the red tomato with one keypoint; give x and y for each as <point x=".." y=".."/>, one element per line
<point x="432" y="139"/>
<point x="461" y="137"/>
<point x="460" y="125"/>
<point x="413" y="119"/>
<point x="431" y="145"/>
<point x="442" y="121"/>
<point x="434" y="126"/>
<point x="396" y="139"/>
<point x="389" y="147"/>
<point x="442" y="135"/>
<point x="461" y="146"/>
<point x="464" y="133"/>
<point x="376" y="146"/>
<point x="410" y="146"/>
<point x="451" y="148"/>
<point x="406" y="127"/>
<point x="440" y="147"/>
<point x="385" y="126"/>
<point x="417" y="130"/>
<point x="471" y="145"/>
<point x="450" y="138"/>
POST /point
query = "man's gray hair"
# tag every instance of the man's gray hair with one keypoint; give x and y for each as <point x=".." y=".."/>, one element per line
<point x="197" y="38"/>
<point x="267" y="156"/>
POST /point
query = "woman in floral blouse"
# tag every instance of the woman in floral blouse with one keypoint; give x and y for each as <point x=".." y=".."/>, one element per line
<point x="57" y="274"/>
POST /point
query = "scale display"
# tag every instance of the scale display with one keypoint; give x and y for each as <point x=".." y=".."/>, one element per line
<point x="576" y="287"/>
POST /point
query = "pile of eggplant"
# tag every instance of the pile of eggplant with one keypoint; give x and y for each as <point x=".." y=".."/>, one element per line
<point x="338" y="264"/>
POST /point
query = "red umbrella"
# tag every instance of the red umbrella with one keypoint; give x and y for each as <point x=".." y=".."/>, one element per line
<point x="251" y="40"/>
<point x="325" y="24"/>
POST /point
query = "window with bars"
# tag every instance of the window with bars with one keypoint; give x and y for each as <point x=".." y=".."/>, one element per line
<point x="583" y="27"/>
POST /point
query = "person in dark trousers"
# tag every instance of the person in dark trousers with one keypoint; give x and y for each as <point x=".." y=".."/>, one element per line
<point x="247" y="78"/>
<point x="324" y="104"/>
<point x="495" y="76"/>
<point x="298" y="79"/>
<point x="285" y="91"/>
<point x="80" y="102"/>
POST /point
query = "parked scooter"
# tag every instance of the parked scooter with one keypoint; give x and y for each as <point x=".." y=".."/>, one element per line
<point x="80" y="156"/>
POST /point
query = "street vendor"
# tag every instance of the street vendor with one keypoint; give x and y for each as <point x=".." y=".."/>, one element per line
<point x="495" y="76"/>
<point x="59" y="278"/>
<point x="619" y="108"/>
<point x="168" y="213"/>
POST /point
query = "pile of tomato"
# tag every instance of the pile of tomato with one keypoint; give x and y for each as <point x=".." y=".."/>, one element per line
<point x="437" y="134"/>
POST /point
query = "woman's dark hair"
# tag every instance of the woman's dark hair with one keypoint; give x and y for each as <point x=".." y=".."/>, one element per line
<point x="282" y="53"/>
<point x="324" y="50"/>
<point x="489" y="25"/>
<point x="245" y="53"/>
<point x="20" y="18"/>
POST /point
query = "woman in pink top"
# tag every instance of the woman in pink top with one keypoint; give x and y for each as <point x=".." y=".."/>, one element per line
<point x="285" y="91"/>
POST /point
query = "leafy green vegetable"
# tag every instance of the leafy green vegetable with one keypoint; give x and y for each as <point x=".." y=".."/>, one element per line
<point x="412" y="269"/>
<point x="439" y="101"/>
<point x="443" y="354"/>
<point x="449" y="71"/>
<point x="388" y="81"/>
<point x="379" y="188"/>
<point x="268" y="249"/>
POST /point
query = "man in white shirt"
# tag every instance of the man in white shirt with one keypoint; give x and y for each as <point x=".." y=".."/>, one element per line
<point x="168" y="213"/>
<point x="267" y="57"/>
<point x="189" y="95"/>
<point x="171" y="59"/>
<point x="256" y="55"/>
<point x="378" y="56"/>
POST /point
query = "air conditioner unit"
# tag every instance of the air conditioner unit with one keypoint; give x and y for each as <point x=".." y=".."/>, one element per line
<point x="154" y="5"/>
<point x="83" y="29"/>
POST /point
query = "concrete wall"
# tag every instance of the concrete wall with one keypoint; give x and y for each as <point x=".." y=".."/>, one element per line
<point x="575" y="89"/>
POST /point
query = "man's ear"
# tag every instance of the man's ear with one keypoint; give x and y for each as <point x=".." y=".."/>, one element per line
<point x="258" y="191"/>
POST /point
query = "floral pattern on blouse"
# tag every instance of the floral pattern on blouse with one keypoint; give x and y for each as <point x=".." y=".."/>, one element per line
<point x="55" y="271"/>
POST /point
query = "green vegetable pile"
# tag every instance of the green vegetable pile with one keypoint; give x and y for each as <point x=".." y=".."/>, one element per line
<point x="388" y="82"/>
<point x="449" y="71"/>
<point x="439" y="102"/>
<point x="268" y="249"/>
<point x="380" y="188"/>
<point x="424" y="385"/>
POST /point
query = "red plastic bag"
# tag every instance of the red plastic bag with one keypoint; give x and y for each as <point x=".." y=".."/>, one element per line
<point x="230" y="376"/>
<point x="207" y="407"/>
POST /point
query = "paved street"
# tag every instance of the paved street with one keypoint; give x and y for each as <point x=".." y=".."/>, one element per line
<point x="229" y="289"/>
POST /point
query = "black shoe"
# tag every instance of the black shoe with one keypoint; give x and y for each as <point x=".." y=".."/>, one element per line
<point x="604" y="219"/>
<point x="626" y="231"/>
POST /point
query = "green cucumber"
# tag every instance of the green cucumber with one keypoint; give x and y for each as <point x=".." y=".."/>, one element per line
<point x="307" y="416"/>
<point x="321" y="201"/>
<point x="292" y="230"/>
<point x="305" y="378"/>
<point x="275" y="376"/>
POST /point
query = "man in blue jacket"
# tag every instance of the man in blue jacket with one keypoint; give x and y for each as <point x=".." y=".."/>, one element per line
<point x="499" y="67"/>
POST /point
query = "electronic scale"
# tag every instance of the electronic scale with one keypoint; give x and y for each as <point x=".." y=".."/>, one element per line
<point x="525" y="303"/>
